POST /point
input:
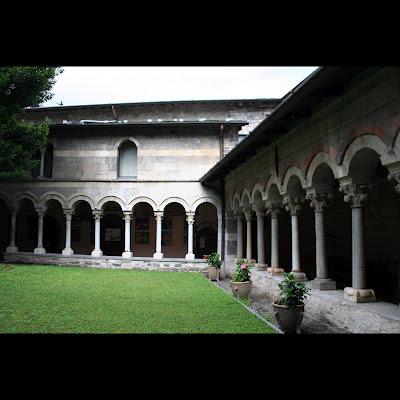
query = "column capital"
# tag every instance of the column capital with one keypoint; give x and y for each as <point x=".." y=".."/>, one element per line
<point x="319" y="200"/>
<point x="238" y="213"/>
<point x="68" y="214"/>
<point x="247" y="214"/>
<point x="40" y="211"/>
<point x="158" y="215"/>
<point x="190" y="217"/>
<point x="127" y="216"/>
<point x="292" y="204"/>
<point x="273" y="209"/>
<point x="259" y="210"/>
<point x="355" y="194"/>
<point x="97" y="214"/>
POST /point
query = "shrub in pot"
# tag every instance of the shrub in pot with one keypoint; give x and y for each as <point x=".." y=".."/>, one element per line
<point x="214" y="265"/>
<point x="241" y="283"/>
<point x="289" y="308"/>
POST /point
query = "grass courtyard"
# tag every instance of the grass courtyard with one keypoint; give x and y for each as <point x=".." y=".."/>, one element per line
<point x="53" y="299"/>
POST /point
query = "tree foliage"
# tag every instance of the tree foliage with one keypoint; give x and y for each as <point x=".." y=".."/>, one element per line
<point x="22" y="87"/>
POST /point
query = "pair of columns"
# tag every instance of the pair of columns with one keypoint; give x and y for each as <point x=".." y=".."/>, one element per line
<point x="39" y="249"/>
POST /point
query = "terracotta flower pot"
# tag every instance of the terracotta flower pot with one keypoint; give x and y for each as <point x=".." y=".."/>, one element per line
<point x="213" y="273"/>
<point x="288" y="318"/>
<point x="241" y="289"/>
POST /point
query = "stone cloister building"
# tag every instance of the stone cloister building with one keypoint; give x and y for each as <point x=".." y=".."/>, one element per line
<point x="309" y="183"/>
<point x="122" y="181"/>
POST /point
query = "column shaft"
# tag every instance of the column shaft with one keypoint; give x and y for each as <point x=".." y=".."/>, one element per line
<point x="295" y="244"/>
<point x="260" y="239"/>
<point x="239" y="236"/>
<point x="68" y="251"/>
<point x="158" y="254"/>
<point x="12" y="248"/>
<point x="39" y="248"/>
<point x="320" y="250"/>
<point x="274" y="241"/>
<point x="359" y="271"/>
<point x="248" y="241"/>
<point x="97" y="252"/>
<point x="127" y="252"/>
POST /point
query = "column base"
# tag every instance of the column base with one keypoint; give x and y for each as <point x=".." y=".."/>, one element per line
<point x="262" y="267"/>
<point x="275" y="271"/>
<point x="158" y="256"/>
<point x="97" y="253"/>
<point x="359" y="295"/>
<point x="12" y="249"/>
<point x="299" y="276"/>
<point x="189" y="256"/>
<point x="323" y="284"/>
<point x="67" y="252"/>
<point x="39" y="250"/>
<point x="127" y="254"/>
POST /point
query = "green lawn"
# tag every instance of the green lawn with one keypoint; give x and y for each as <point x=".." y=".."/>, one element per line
<point x="52" y="299"/>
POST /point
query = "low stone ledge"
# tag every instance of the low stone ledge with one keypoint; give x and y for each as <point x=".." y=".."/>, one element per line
<point x="104" y="262"/>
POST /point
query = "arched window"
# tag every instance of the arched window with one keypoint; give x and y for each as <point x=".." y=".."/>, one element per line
<point x="48" y="162"/>
<point x="127" y="160"/>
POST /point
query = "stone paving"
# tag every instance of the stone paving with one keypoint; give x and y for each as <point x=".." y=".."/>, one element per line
<point x="263" y="307"/>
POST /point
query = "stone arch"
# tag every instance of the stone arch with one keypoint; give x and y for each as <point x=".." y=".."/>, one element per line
<point x="115" y="199"/>
<point x="142" y="199"/>
<point x="258" y="187"/>
<point x="174" y="200"/>
<point x="51" y="196"/>
<point x="5" y="199"/>
<point x="80" y="197"/>
<point x="17" y="198"/>
<point x="126" y="139"/>
<point x="235" y="199"/>
<point x="363" y="142"/>
<point x="216" y="202"/>
<point x="321" y="158"/>
<point x="272" y="181"/>
<point x="293" y="171"/>
<point x="246" y="192"/>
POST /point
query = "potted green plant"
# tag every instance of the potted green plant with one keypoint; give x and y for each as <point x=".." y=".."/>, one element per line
<point x="289" y="308"/>
<point x="241" y="283"/>
<point x="214" y="265"/>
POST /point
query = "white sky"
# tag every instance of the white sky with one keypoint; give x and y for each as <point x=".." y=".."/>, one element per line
<point x="97" y="85"/>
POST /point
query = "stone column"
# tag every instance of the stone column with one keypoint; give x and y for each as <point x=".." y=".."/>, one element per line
<point x="356" y="195"/>
<point x="260" y="238"/>
<point x="292" y="205"/>
<point x="219" y="233"/>
<point x="12" y="248"/>
<point x="68" y="250"/>
<point x="190" y="221"/>
<point x="127" y="217"/>
<point x="97" y="252"/>
<point x="39" y="248"/>
<point x="319" y="201"/>
<point x="158" y="254"/>
<point x="247" y="214"/>
<point x="274" y="210"/>
<point x="239" y="235"/>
